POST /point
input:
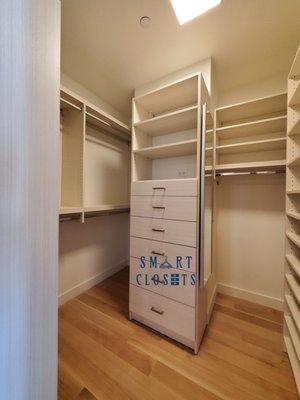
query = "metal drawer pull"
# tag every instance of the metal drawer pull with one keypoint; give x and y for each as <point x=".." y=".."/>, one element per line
<point x="159" y="207"/>
<point x="159" y="188"/>
<point x="156" y="311"/>
<point x="157" y="253"/>
<point x="157" y="230"/>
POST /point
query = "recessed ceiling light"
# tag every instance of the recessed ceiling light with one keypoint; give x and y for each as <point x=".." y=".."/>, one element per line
<point x="145" y="21"/>
<point x="186" y="10"/>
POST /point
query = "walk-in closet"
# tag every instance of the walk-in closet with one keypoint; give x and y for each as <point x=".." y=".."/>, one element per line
<point x="151" y="192"/>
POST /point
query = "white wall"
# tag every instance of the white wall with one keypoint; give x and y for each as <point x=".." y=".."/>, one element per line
<point x="250" y="223"/>
<point x="29" y="113"/>
<point x="91" y="252"/>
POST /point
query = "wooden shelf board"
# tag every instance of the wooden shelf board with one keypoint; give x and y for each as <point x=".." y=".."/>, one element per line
<point x="294" y="360"/>
<point x="294" y="163"/>
<point x="248" y="147"/>
<point x="176" y="121"/>
<point x="260" y="127"/>
<point x="295" y="128"/>
<point x="293" y="215"/>
<point x="292" y="192"/>
<point x="253" y="108"/>
<point x="294" y="310"/>
<point x="294" y="334"/>
<point x="252" y="166"/>
<point x="294" y="263"/>
<point x="294" y="238"/>
<point x="178" y="149"/>
<point x="174" y="96"/>
<point x="295" y="95"/>
<point x="295" y="69"/>
<point x="106" y="207"/>
<point x="294" y="286"/>
<point x="70" y="210"/>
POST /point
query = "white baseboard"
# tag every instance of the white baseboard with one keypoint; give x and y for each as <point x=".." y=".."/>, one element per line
<point x="254" y="297"/>
<point x="89" y="283"/>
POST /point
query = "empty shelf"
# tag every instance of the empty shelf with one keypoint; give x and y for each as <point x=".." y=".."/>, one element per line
<point x="260" y="127"/>
<point x="294" y="238"/>
<point x="176" y="121"/>
<point x="70" y="210"/>
<point x="106" y="208"/>
<point x="294" y="334"/>
<point x="293" y="215"/>
<point x="178" y="149"/>
<point x="295" y="128"/>
<point x="170" y="97"/>
<point x="294" y="310"/>
<point x="294" y="286"/>
<point x="294" y="163"/>
<point x="293" y="192"/>
<point x="295" y="96"/>
<point x="247" y="147"/>
<point x="252" y="166"/>
<point x="294" y="360"/>
<point x="294" y="263"/>
<point x="252" y="109"/>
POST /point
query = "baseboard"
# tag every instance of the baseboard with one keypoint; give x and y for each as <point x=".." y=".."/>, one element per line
<point x="89" y="283"/>
<point x="254" y="297"/>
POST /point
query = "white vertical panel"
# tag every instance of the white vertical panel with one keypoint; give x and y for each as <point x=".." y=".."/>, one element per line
<point x="29" y="129"/>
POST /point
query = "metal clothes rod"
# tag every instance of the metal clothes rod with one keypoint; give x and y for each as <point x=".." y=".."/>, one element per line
<point x="70" y="104"/>
<point x="218" y="174"/>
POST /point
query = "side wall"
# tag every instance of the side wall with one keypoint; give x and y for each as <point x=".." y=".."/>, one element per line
<point x="29" y="154"/>
<point x="91" y="252"/>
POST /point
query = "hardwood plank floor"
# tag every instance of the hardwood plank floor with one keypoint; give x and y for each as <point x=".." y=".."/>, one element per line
<point x="103" y="355"/>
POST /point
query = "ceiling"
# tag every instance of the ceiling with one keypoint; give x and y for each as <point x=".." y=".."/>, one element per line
<point x="105" y="49"/>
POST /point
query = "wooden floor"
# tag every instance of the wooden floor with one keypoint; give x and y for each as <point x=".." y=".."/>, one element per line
<point x="103" y="355"/>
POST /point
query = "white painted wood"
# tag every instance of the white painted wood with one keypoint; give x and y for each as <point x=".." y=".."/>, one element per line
<point x="145" y="247"/>
<point x="159" y="281"/>
<point x="293" y="122"/>
<point x="294" y="237"/>
<point x="294" y="263"/>
<point x="176" y="232"/>
<point x="294" y="360"/>
<point x="178" y="149"/>
<point x="294" y="286"/>
<point x="29" y="165"/>
<point x="167" y="207"/>
<point x="174" y="316"/>
<point x="294" y="335"/>
<point x="252" y="166"/>
<point x="294" y="310"/>
<point x="295" y="94"/>
<point x="162" y="188"/>
<point x="295" y="68"/>
<point x="253" y="146"/>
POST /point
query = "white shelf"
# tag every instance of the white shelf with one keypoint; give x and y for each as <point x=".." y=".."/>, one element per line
<point x="106" y="207"/>
<point x="294" y="286"/>
<point x="252" y="109"/>
<point x="176" y="121"/>
<point x="177" y="95"/>
<point x="295" y="95"/>
<point x="294" y="130"/>
<point x="254" y="146"/>
<point x="178" y="149"/>
<point x="70" y="210"/>
<point x="292" y="192"/>
<point x="294" y="238"/>
<point x="294" y="334"/>
<point x="295" y="69"/>
<point x="260" y="127"/>
<point x="294" y="162"/>
<point x="294" y="360"/>
<point x="294" y="263"/>
<point x="252" y="166"/>
<point x="293" y="215"/>
<point x="294" y="310"/>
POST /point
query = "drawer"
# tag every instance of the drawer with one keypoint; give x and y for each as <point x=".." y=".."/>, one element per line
<point x="167" y="316"/>
<point x="173" y="283"/>
<point x="176" y="187"/>
<point x="178" y="208"/>
<point x="177" y="232"/>
<point x="178" y="256"/>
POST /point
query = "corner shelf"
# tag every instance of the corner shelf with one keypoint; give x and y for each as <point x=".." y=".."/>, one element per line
<point x="293" y="215"/>
<point x="259" y="145"/>
<point x="294" y="162"/>
<point x="294" y="130"/>
<point x="293" y="334"/>
<point x="295" y="95"/>
<point x="294" y="286"/>
<point x="294" y="262"/>
<point x="175" y="121"/>
<point x="176" y="149"/>
<point x="294" y="360"/>
<point x="294" y="310"/>
<point x="293" y="237"/>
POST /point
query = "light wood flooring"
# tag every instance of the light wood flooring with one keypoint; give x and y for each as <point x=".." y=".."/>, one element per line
<point x="103" y="355"/>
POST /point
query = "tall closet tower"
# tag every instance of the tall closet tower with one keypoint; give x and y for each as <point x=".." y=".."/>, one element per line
<point x="171" y="209"/>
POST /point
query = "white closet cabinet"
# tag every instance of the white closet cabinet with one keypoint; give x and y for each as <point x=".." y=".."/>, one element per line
<point x="171" y="200"/>
<point x="292" y="270"/>
<point x="95" y="159"/>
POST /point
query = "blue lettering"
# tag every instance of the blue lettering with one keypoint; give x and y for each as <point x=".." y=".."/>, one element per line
<point x="142" y="262"/>
<point x="189" y="259"/>
<point x="165" y="279"/>
<point x="138" y="279"/>
<point x="153" y="262"/>
<point x="178" y="261"/>
<point x="193" y="279"/>
<point x="184" y="278"/>
<point x="155" y="279"/>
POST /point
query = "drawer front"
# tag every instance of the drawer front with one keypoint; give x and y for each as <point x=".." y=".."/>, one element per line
<point x="183" y="257"/>
<point x="177" y="232"/>
<point x="177" y="187"/>
<point x="177" y="208"/>
<point x="163" y="312"/>
<point x="173" y="283"/>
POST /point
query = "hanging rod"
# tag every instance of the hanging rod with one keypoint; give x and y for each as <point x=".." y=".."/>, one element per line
<point x="71" y="104"/>
<point x="98" y="119"/>
<point x="250" y="173"/>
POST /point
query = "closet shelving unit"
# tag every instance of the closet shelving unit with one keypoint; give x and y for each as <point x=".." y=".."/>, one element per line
<point x="165" y="201"/>
<point x="250" y="136"/>
<point x="95" y="160"/>
<point x="292" y="268"/>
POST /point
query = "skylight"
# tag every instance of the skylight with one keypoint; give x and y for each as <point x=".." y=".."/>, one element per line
<point x="186" y="10"/>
